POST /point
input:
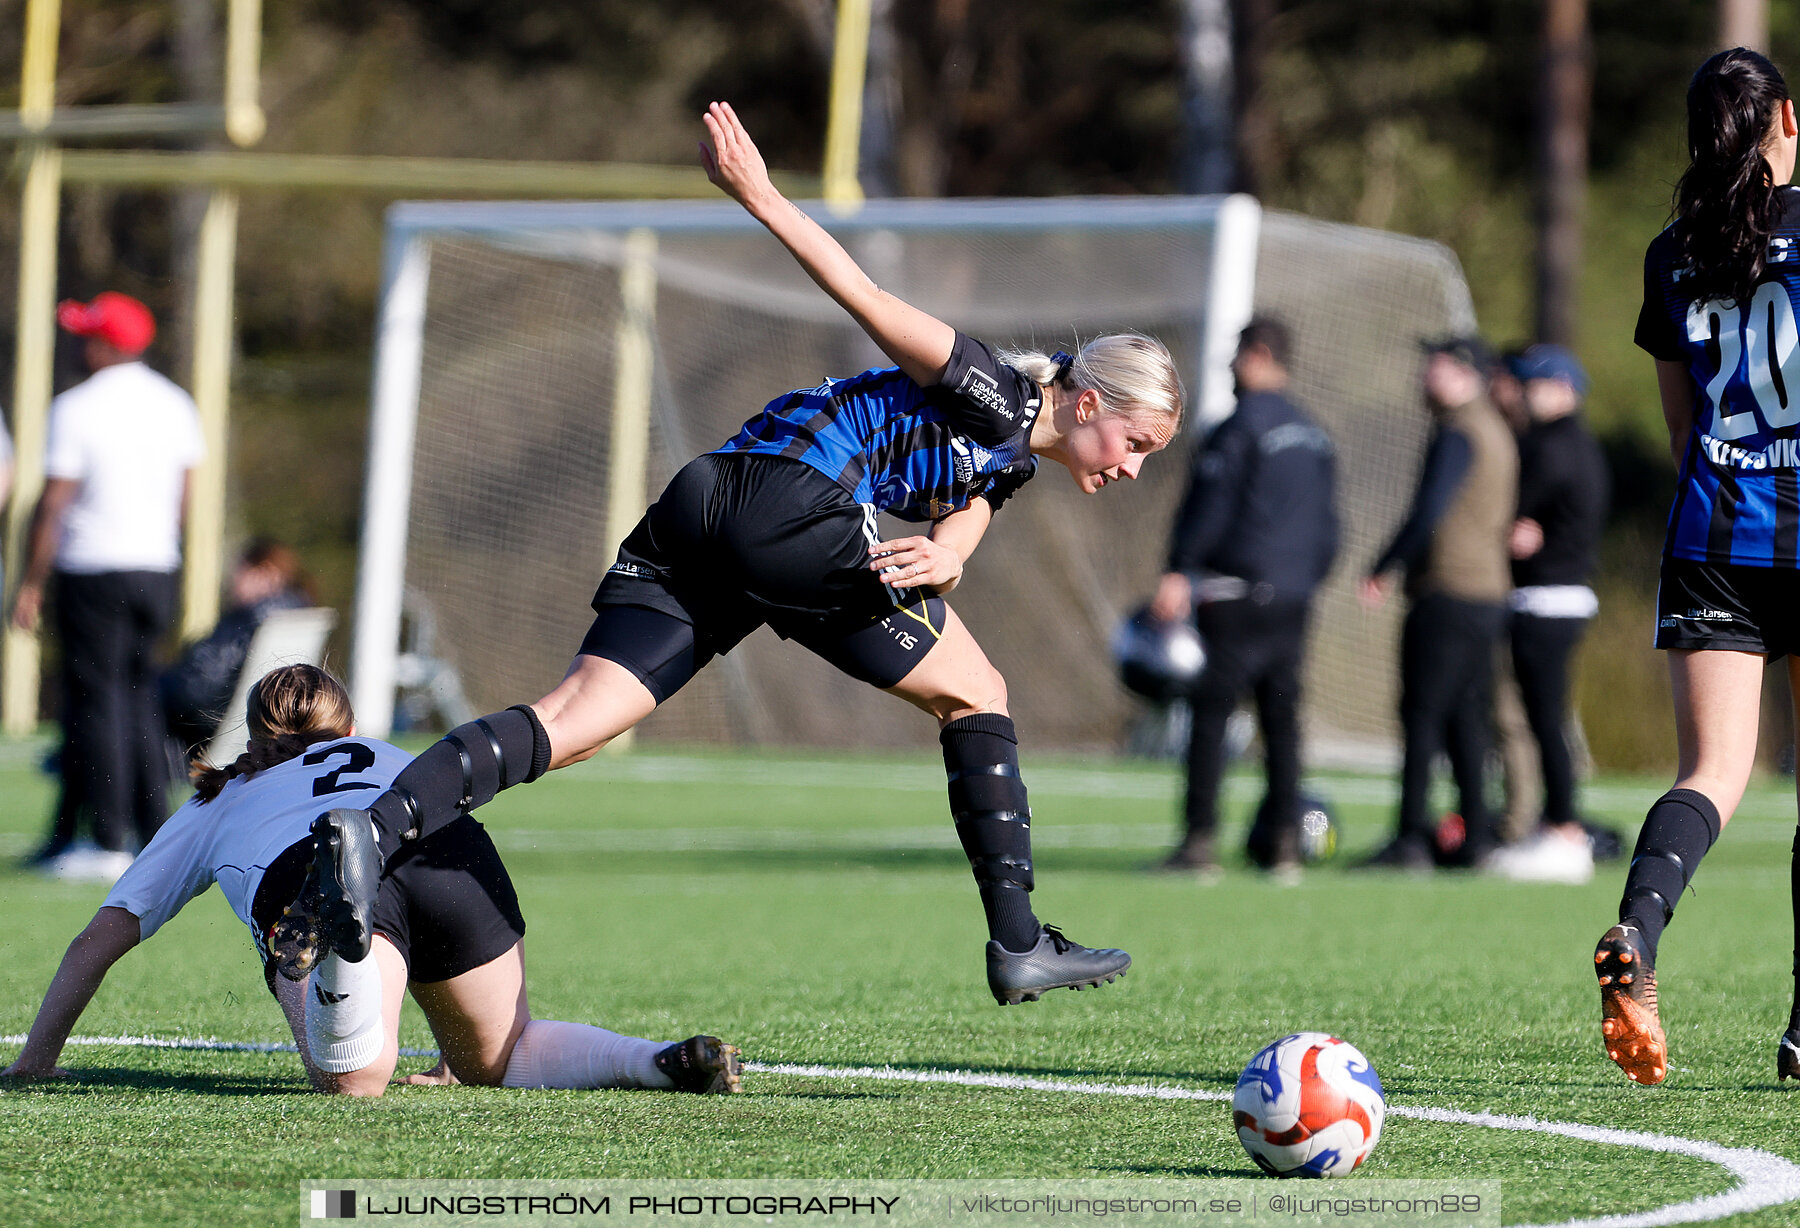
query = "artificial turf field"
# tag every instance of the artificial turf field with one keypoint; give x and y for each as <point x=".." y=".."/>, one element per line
<point x="817" y="911"/>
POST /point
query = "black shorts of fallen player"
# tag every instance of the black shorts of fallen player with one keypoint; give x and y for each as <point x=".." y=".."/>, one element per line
<point x="1729" y="607"/>
<point x="738" y="541"/>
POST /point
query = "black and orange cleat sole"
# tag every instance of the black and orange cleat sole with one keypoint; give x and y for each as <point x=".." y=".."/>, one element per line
<point x="1629" y="1022"/>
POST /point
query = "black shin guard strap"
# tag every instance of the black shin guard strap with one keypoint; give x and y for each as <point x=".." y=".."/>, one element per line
<point x="465" y="761"/>
<point x="1678" y="831"/>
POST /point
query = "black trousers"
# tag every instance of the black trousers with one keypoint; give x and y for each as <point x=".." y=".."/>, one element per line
<point x="113" y="766"/>
<point x="1257" y="650"/>
<point x="1541" y="648"/>
<point x="1446" y="703"/>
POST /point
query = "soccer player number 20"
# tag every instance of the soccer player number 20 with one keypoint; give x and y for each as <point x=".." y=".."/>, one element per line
<point x="1772" y="373"/>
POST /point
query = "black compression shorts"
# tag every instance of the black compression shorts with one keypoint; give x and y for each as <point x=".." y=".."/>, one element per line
<point x="446" y="901"/>
<point x="738" y="541"/>
<point x="1728" y="606"/>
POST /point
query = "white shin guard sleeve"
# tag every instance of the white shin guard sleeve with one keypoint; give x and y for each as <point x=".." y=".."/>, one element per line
<point x="551" y="1053"/>
<point x="343" y="1014"/>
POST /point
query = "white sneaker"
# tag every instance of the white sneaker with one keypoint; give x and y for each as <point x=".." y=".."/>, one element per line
<point x="1547" y="856"/>
<point x="88" y="863"/>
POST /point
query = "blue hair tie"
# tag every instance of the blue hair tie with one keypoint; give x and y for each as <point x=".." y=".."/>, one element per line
<point x="1063" y="362"/>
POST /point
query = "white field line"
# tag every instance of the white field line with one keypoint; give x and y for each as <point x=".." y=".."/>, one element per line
<point x="1764" y="1179"/>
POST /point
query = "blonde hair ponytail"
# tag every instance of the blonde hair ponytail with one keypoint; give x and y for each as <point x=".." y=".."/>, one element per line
<point x="1134" y="375"/>
<point x="287" y="710"/>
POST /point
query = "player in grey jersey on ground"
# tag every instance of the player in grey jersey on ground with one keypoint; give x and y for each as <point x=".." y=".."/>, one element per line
<point x="446" y="926"/>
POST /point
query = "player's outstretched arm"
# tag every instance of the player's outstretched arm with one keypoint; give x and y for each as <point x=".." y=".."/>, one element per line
<point x="111" y="933"/>
<point x="918" y="342"/>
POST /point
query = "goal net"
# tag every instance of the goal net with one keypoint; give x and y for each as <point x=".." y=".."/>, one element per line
<point x="543" y="369"/>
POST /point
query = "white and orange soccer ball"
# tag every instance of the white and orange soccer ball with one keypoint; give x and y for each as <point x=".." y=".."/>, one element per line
<point x="1309" y="1105"/>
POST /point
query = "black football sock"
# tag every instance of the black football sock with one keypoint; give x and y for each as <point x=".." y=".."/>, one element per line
<point x="461" y="771"/>
<point x="1677" y="832"/>
<point x="1794" y="897"/>
<point x="993" y="821"/>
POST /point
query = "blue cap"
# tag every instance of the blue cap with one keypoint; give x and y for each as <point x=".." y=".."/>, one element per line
<point x="1546" y="361"/>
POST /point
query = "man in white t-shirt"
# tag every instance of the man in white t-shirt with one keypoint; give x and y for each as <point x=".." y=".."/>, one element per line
<point x="107" y="536"/>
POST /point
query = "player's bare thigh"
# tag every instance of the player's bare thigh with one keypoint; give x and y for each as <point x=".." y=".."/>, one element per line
<point x="477" y="1017"/>
<point x="596" y="701"/>
<point x="1718" y="701"/>
<point x="955" y="679"/>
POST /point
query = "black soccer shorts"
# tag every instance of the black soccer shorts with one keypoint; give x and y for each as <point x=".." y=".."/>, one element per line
<point x="446" y="901"/>
<point x="738" y="541"/>
<point x="1730" y="607"/>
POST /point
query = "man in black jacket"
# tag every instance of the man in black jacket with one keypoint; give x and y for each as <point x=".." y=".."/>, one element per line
<point x="1563" y="492"/>
<point x="1255" y="535"/>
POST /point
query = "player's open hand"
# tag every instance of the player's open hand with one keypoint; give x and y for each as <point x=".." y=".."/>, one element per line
<point x="915" y="562"/>
<point x="438" y="1076"/>
<point x="732" y="161"/>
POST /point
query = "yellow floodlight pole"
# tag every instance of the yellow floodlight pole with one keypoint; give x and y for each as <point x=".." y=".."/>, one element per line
<point x="843" y="125"/>
<point x="203" y="552"/>
<point x="35" y="352"/>
<point x="634" y="370"/>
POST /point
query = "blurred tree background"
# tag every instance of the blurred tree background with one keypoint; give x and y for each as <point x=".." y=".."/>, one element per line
<point x="1409" y="115"/>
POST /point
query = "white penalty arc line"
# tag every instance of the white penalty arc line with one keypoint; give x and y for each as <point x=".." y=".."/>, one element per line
<point x="1765" y="1179"/>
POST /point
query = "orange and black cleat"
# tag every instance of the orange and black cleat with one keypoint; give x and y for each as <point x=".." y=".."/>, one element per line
<point x="1628" y="1018"/>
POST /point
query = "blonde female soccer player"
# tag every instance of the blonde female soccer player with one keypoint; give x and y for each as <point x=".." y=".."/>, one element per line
<point x="778" y="526"/>
<point x="1720" y="291"/>
<point x="446" y="926"/>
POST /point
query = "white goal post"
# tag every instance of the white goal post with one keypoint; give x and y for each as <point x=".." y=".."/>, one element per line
<point x="542" y="367"/>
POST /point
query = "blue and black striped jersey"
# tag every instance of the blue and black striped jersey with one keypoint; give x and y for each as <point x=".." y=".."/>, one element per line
<point x="918" y="453"/>
<point x="1738" y="498"/>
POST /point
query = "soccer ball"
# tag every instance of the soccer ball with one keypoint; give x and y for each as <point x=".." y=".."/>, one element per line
<point x="1318" y="833"/>
<point x="1158" y="660"/>
<point x="1309" y="1105"/>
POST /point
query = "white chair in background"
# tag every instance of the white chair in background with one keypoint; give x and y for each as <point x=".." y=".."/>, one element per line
<point x="285" y="637"/>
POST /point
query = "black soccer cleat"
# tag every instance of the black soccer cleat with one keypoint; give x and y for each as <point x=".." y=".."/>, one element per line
<point x="347" y="865"/>
<point x="296" y="940"/>
<point x="704" y="1065"/>
<point x="1054" y="962"/>
<point x="1787" y="1056"/>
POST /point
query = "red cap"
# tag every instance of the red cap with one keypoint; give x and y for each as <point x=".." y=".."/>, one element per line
<point x="117" y="319"/>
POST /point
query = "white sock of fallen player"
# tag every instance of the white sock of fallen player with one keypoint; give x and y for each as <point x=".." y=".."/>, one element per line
<point x="343" y="1014"/>
<point x="552" y="1053"/>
